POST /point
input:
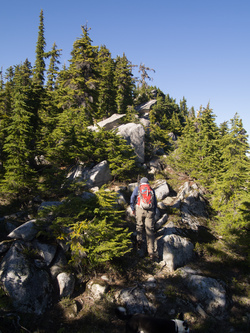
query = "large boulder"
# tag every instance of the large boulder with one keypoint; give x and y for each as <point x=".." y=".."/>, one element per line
<point x="26" y="231"/>
<point x="135" y="301"/>
<point x="134" y="134"/>
<point x="46" y="251"/>
<point x="29" y="287"/>
<point x="98" y="288"/>
<point x="208" y="291"/>
<point x="177" y="251"/>
<point x="161" y="189"/>
<point x="109" y="123"/>
<point x="144" y="108"/>
<point x="99" y="175"/>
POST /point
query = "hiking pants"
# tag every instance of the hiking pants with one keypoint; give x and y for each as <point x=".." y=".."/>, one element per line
<point x="145" y="218"/>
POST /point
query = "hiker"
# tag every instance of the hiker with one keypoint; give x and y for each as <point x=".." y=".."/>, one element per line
<point x="143" y="204"/>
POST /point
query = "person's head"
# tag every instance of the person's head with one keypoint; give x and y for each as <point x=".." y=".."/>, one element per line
<point x="144" y="180"/>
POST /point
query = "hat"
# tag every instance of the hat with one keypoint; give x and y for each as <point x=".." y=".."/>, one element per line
<point x="144" y="180"/>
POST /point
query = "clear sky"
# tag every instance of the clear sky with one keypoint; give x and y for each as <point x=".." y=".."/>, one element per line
<point x="199" y="49"/>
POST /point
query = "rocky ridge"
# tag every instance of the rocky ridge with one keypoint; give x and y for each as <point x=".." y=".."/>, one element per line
<point x="179" y="281"/>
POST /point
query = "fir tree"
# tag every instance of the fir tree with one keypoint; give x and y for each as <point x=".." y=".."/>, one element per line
<point x="207" y="155"/>
<point x="183" y="108"/>
<point x="19" y="176"/>
<point x="113" y="148"/>
<point x="78" y="85"/>
<point x="106" y="99"/>
<point x="48" y="117"/>
<point x="124" y="84"/>
<point x="231" y="189"/>
<point x="39" y="67"/>
<point x="6" y="108"/>
<point x="53" y="69"/>
<point x="71" y="141"/>
<point x="97" y="234"/>
<point x="198" y="152"/>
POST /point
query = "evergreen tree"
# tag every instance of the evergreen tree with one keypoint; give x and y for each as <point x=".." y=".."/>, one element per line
<point x="191" y="113"/>
<point x="124" y="84"/>
<point x="39" y="67"/>
<point x="50" y="112"/>
<point x="183" y="108"/>
<point x="6" y="108"/>
<point x="70" y="142"/>
<point x="97" y="234"/>
<point x="53" y="68"/>
<point x="38" y="90"/>
<point x="231" y="188"/>
<point x="19" y="176"/>
<point x="207" y="155"/>
<point x="106" y="99"/>
<point x="198" y="152"/>
<point x="78" y="85"/>
<point x="113" y="148"/>
<point x="167" y="114"/>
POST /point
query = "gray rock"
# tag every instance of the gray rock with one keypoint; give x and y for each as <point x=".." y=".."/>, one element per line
<point x="5" y="246"/>
<point x="26" y="231"/>
<point x="145" y="107"/>
<point x="155" y="165"/>
<point x="177" y="251"/>
<point x="99" y="175"/>
<point x="49" y="204"/>
<point x="66" y="283"/>
<point x="161" y="189"/>
<point x="46" y="251"/>
<point x="134" y="134"/>
<point x="209" y="292"/>
<point x="135" y="301"/>
<point x="109" y="123"/>
<point x="161" y="222"/>
<point x="76" y="173"/>
<point x="28" y="287"/>
<point x="98" y="288"/>
<point x="59" y="264"/>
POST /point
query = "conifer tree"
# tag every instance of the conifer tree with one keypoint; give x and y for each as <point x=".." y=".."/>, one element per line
<point x="50" y="107"/>
<point x="19" y="175"/>
<point x="183" y="108"/>
<point x="6" y="108"/>
<point x="124" y="84"/>
<point x="78" y="85"/>
<point x="113" y="148"/>
<point x="38" y="90"/>
<point x="53" y="69"/>
<point x="70" y="142"/>
<point x="106" y="99"/>
<point x="231" y="188"/>
<point x="198" y="152"/>
<point x="97" y="234"/>
<point x="207" y="155"/>
<point x="39" y="67"/>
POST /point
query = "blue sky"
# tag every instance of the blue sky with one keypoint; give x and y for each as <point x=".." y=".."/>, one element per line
<point x="199" y="49"/>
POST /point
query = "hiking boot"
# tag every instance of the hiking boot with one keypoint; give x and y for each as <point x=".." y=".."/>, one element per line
<point x="139" y="245"/>
<point x="141" y="249"/>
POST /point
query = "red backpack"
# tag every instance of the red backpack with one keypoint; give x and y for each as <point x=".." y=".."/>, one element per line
<point x="145" y="196"/>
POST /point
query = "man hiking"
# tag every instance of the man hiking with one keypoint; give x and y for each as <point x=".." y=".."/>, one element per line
<point x="143" y="204"/>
